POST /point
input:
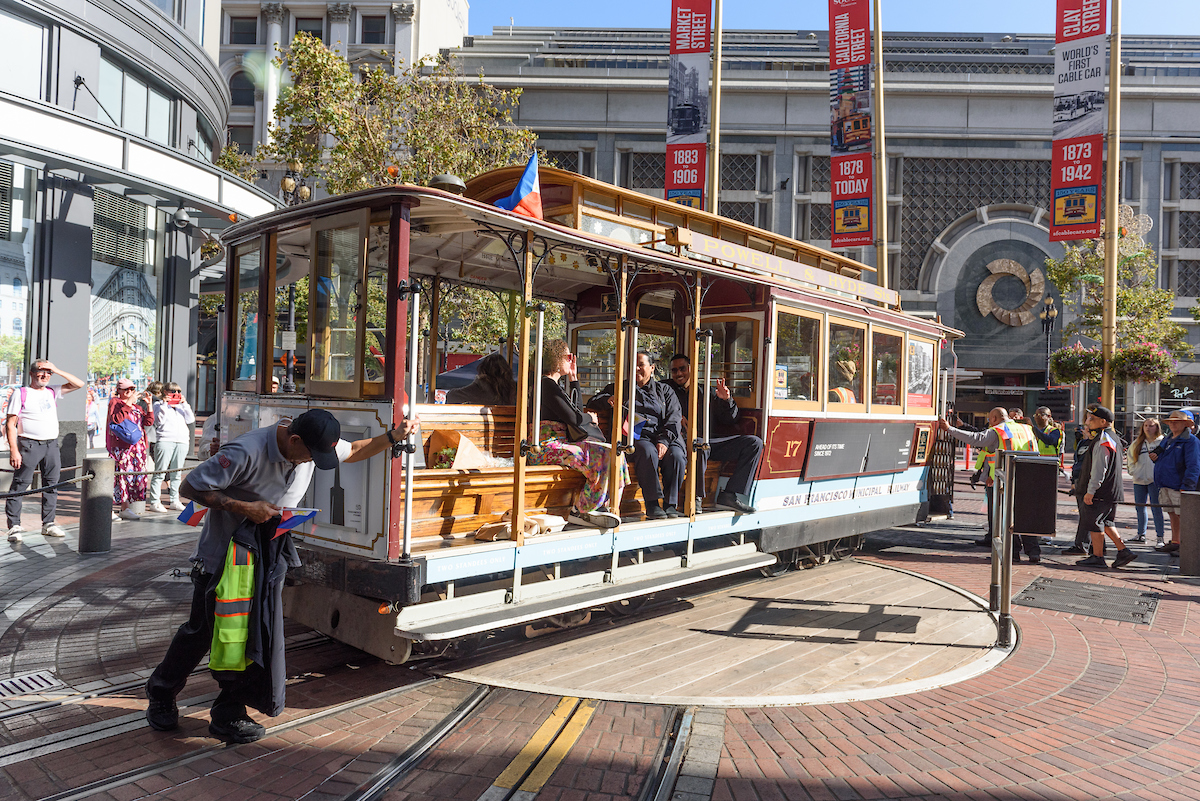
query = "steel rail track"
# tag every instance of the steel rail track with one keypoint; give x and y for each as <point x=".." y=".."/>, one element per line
<point x="156" y="768"/>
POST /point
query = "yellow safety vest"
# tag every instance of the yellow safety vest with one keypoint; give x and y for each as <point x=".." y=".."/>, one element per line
<point x="1013" y="437"/>
<point x="844" y="395"/>
<point x="231" y="623"/>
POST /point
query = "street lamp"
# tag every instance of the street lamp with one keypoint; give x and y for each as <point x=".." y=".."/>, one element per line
<point x="1048" y="316"/>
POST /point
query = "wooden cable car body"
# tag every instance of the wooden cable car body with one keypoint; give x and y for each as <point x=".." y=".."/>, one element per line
<point x="840" y="384"/>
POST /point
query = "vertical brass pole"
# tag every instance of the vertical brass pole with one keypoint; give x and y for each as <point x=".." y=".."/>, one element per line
<point x="694" y="485"/>
<point x="881" y="167"/>
<point x="435" y="314"/>
<point x="714" y="117"/>
<point x="1112" y="198"/>
<point x="622" y="287"/>
<point x="522" y="428"/>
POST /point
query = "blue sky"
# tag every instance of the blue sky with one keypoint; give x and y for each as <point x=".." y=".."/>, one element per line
<point x="1180" y="17"/>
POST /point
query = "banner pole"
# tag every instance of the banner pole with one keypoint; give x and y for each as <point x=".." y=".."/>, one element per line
<point x="1112" y="198"/>
<point x="881" y="187"/>
<point x="714" y="152"/>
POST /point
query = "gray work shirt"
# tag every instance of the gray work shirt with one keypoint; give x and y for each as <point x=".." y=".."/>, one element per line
<point x="250" y="468"/>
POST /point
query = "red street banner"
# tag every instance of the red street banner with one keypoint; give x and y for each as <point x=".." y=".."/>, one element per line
<point x="1079" y="119"/>
<point x="687" y="101"/>
<point x="850" y="121"/>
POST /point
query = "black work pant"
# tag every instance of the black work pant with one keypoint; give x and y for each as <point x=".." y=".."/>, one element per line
<point x="743" y="450"/>
<point x="647" y="466"/>
<point x="192" y="641"/>
<point x="1031" y="545"/>
<point x="36" y="454"/>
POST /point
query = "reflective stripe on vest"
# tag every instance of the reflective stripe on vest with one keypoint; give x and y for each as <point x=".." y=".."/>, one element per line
<point x="844" y="395"/>
<point x="1013" y="437"/>
<point x="231" y="623"/>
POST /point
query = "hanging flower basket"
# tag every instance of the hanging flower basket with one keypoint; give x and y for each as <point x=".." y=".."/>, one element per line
<point x="1077" y="363"/>
<point x="1143" y="363"/>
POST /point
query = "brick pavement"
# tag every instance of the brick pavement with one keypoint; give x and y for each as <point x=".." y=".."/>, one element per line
<point x="1085" y="708"/>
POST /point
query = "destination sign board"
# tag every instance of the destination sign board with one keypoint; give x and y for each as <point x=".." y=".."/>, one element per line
<point x="844" y="448"/>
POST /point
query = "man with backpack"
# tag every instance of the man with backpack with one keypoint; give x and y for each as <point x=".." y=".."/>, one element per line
<point x="31" y="426"/>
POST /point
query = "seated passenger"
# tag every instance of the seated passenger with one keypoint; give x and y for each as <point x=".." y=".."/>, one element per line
<point x="659" y="444"/>
<point x="493" y="386"/>
<point x="569" y="436"/>
<point x="725" y="444"/>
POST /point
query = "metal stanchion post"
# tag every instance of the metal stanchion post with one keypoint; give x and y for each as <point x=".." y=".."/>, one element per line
<point x="1189" y="534"/>
<point x="996" y="538"/>
<point x="96" y="504"/>
<point x="1004" y="474"/>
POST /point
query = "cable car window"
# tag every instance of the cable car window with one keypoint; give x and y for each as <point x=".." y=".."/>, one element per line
<point x="797" y="354"/>
<point x="245" y="324"/>
<point x="291" y="303"/>
<point x="921" y="369"/>
<point x="845" y="363"/>
<point x="886" y="355"/>
<point x="375" y="342"/>
<point x="733" y="354"/>
<point x="336" y="304"/>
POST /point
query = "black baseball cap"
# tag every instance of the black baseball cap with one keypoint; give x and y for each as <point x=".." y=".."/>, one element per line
<point x="320" y="432"/>
<point x="1102" y="412"/>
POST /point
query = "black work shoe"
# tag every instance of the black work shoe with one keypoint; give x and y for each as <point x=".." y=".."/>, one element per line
<point x="1124" y="557"/>
<point x="1170" y="547"/>
<point x="1092" y="561"/>
<point x="242" y="730"/>
<point x="731" y="502"/>
<point x="655" y="513"/>
<point x="1035" y="560"/>
<point x="162" y="714"/>
<point x="1074" y="550"/>
<point x="984" y="543"/>
<point x="672" y="511"/>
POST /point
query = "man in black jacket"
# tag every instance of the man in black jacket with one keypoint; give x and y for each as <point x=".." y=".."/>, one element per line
<point x="725" y="443"/>
<point x="659" y="447"/>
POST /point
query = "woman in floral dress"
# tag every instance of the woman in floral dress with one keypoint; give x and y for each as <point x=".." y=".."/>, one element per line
<point x="570" y="437"/>
<point x="129" y="458"/>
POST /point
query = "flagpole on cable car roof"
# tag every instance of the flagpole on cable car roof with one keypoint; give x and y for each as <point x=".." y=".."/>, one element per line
<point x="881" y="187"/>
<point x="714" y="150"/>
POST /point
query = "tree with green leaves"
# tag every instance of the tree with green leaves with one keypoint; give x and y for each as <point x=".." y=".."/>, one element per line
<point x="353" y="131"/>
<point x="1143" y="310"/>
<point x="107" y="359"/>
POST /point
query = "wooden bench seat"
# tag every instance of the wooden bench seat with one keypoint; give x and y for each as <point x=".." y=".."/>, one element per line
<point x="450" y="505"/>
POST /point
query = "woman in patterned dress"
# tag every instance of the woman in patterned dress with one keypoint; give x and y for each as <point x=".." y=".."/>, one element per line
<point x="570" y="437"/>
<point x="129" y="458"/>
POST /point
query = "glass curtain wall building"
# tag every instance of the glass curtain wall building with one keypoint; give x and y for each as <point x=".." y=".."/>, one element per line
<point x="109" y="113"/>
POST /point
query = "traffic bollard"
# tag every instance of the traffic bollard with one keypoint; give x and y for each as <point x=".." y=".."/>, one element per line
<point x="96" y="505"/>
<point x="1189" y="534"/>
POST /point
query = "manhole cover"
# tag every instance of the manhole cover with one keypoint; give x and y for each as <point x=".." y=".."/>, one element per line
<point x="29" y="683"/>
<point x="1093" y="600"/>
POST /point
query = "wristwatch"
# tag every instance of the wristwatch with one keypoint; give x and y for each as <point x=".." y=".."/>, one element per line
<point x="391" y="438"/>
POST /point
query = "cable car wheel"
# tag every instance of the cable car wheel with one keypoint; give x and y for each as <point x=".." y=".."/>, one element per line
<point x="628" y="606"/>
<point x="785" y="561"/>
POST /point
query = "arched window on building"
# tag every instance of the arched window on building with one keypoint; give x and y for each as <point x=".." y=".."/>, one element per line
<point x="241" y="88"/>
<point x="18" y="286"/>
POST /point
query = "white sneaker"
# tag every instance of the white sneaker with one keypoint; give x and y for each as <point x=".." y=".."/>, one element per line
<point x="129" y="514"/>
<point x="156" y="506"/>
<point x="177" y="505"/>
<point x="14" y="533"/>
<point x="53" y="530"/>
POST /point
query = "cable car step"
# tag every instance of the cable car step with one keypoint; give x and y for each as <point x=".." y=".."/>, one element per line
<point x="459" y="617"/>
